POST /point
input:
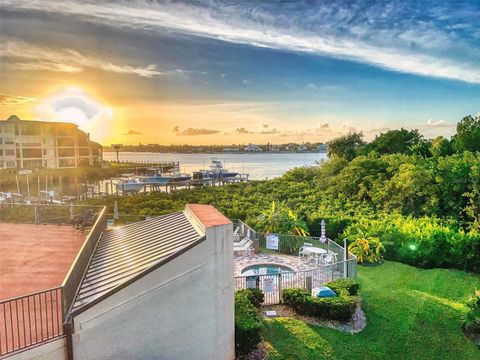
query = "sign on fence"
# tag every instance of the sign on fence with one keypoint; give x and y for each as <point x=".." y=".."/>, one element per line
<point x="272" y="241"/>
<point x="268" y="285"/>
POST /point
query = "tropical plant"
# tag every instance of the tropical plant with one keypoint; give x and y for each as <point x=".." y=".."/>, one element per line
<point x="367" y="249"/>
<point x="271" y="218"/>
<point x="297" y="224"/>
<point x="280" y="219"/>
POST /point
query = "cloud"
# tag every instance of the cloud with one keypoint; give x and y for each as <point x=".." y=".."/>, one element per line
<point x="242" y="131"/>
<point x="418" y="44"/>
<point x="132" y="132"/>
<point x="194" y="132"/>
<point x="26" y="56"/>
<point x="437" y="123"/>
<point x="265" y="130"/>
<point x="14" y="101"/>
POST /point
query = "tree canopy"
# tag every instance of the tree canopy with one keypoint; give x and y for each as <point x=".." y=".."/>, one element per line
<point x="345" y="146"/>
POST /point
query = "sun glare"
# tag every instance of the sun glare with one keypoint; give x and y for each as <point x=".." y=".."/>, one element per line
<point x="73" y="104"/>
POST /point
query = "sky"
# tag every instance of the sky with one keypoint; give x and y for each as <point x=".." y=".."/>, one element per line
<point x="236" y="72"/>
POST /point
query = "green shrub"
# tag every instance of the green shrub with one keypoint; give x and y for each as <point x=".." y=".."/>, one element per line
<point x="471" y="319"/>
<point x="340" y="307"/>
<point x="248" y="324"/>
<point x="350" y="285"/>
<point x="255" y="296"/>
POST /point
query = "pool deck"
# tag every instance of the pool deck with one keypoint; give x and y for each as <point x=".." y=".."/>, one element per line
<point x="294" y="262"/>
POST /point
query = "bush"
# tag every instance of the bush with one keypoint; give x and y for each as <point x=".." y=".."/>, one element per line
<point x="248" y="324"/>
<point x="340" y="307"/>
<point x="471" y="320"/>
<point x="255" y="296"/>
<point x="349" y="285"/>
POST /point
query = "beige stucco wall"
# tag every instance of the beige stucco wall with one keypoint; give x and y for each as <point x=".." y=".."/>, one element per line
<point x="182" y="310"/>
<point x="52" y="350"/>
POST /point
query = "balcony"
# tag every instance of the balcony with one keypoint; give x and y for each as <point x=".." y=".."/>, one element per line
<point x="45" y="250"/>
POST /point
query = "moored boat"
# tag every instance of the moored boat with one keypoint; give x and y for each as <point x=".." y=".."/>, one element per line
<point x="128" y="184"/>
<point x="218" y="172"/>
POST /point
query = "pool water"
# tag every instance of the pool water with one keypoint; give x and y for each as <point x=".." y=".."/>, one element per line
<point x="265" y="269"/>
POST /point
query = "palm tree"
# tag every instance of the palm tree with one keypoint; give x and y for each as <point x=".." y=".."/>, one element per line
<point x="271" y="218"/>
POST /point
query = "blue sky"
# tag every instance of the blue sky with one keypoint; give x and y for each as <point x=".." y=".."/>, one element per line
<point x="242" y="71"/>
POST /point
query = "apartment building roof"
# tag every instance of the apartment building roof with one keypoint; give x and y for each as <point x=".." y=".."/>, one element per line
<point x="129" y="252"/>
<point x="15" y="118"/>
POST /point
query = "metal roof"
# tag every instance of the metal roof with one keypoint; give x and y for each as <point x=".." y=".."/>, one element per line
<point x="131" y="250"/>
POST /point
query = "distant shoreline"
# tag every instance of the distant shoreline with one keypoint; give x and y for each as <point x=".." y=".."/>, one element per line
<point x="216" y="152"/>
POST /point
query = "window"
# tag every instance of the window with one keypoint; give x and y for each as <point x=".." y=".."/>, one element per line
<point x="31" y="141"/>
<point x="32" y="164"/>
<point x="9" y="141"/>
<point x="8" y="129"/>
<point x="11" y="164"/>
<point x="30" y="129"/>
<point x="9" y="152"/>
<point x="32" y="153"/>
<point x="82" y="141"/>
<point x="66" y="163"/>
<point x="66" y="152"/>
<point x="66" y="142"/>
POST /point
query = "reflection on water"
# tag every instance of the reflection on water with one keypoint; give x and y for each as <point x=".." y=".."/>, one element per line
<point x="259" y="166"/>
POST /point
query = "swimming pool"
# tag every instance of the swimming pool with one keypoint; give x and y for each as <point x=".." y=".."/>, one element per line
<point x="265" y="269"/>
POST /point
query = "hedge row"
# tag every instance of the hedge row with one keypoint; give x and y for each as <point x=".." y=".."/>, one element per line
<point x="248" y="323"/>
<point x="339" y="308"/>
<point x="255" y="296"/>
<point x="349" y="286"/>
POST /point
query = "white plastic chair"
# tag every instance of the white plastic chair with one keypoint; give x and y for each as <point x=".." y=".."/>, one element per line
<point x="303" y="251"/>
<point x="236" y="234"/>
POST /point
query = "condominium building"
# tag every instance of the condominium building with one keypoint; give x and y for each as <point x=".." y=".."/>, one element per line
<point x="30" y="144"/>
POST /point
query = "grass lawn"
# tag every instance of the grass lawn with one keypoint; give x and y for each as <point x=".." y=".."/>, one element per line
<point x="411" y="314"/>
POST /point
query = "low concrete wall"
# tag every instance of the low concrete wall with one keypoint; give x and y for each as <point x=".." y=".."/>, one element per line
<point x="182" y="310"/>
<point x="52" y="350"/>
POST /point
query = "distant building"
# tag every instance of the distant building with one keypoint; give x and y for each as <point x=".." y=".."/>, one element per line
<point x="302" y="148"/>
<point x="252" y="148"/>
<point x="231" y="150"/>
<point x="28" y="144"/>
<point x="323" y="148"/>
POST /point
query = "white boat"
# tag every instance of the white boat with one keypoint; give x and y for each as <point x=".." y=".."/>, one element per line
<point x="154" y="176"/>
<point x="177" y="178"/>
<point x="127" y="184"/>
<point x="217" y="171"/>
<point x="201" y="177"/>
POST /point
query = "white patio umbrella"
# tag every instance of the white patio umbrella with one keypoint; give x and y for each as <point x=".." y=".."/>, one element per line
<point x="323" y="233"/>
<point x="116" y="215"/>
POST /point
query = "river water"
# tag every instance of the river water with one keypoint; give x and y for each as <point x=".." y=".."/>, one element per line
<point x="259" y="166"/>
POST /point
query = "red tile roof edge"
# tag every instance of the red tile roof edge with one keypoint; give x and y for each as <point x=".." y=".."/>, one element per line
<point x="208" y="215"/>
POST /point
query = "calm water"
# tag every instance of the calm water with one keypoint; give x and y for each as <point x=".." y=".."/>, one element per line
<point x="258" y="166"/>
